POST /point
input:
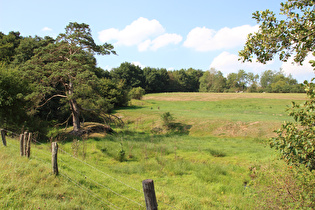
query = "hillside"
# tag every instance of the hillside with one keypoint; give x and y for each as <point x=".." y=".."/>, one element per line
<point x="215" y="156"/>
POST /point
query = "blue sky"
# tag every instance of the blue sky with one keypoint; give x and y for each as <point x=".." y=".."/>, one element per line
<point x="168" y="34"/>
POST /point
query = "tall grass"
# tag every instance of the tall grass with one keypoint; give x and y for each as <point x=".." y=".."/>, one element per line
<point x="29" y="184"/>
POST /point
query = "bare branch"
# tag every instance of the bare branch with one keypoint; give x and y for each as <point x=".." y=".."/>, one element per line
<point x="88" y="110"/>
<point x="54" y="96"/>
<point x="64" y="121"/>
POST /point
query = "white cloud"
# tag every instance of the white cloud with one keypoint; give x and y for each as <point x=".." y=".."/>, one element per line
<point x="133" y="34"/>
<point x="301" y="72"/>
<point x="108" y="34"/>
<point x="46" y="29"/>
<point x="205" y="39"/>
<point x="165" y="40"/>
<point x="229" y="63"/>
<point x="137" y="63"/>
<point x="144" y="45"/>
<point x="160" y="41"/>
<point x="143" y="33"/>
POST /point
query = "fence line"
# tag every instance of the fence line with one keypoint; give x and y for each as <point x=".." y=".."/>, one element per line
<point x="46" y="164"/>
<point x="102" y="184"/>
<point x="76" y="183"/>
<point x="13" y="133"/>
<point x="99" y="170"/>
<point x="37" y="142"/>
<point x="88" y="191"/>
<point x="84" y="188"/>
<point x="67" y="165"/>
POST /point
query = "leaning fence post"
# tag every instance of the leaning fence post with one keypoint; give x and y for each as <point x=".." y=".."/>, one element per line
<point x="149" y="194"/>
<point x="54" y="157"/>
<point x="4" y="141"/>
<point x="22" y="144"/>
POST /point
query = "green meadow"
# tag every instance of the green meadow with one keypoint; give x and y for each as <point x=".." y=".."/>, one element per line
<point x="216" y="156"/>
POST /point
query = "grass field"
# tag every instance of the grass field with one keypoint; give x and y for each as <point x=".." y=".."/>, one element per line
<point x="215" y="114"/>
<point x="219" y="159"/>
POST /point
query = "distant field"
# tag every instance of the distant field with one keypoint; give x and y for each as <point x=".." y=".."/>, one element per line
<point x="219" y="114"/>
<point x="221" y="96"/>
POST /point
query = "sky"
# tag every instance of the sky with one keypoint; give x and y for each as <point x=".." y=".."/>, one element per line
<point x="171" y="34"/>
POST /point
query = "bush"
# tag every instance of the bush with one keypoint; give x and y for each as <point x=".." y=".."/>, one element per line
<point x="137" y="93"/>
<point x="121" y="154"/>
<point x="295" y="140"/>
<point x="168" y="120"/>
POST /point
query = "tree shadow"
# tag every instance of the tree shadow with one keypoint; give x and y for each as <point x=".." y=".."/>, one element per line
<point x="179" y="128"/>
<point x="133" y="107"/>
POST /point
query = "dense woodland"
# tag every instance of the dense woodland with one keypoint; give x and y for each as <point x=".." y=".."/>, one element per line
<point x="47" y="81"/>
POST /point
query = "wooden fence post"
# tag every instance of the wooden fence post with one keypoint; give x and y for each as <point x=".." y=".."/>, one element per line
<point x="25" y="143"/>
<point x="28" y="145"/>
<point x="149" y="194"/>
<point x="22" y="144"/>
<point x="54" y="157"/>
<point x="4" y="141"/>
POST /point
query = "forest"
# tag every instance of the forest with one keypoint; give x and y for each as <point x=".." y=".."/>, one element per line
<point x="45" y="81"/>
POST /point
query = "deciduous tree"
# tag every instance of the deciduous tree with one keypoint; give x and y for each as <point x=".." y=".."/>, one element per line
<point x="130" y="74"/>
<point x="12" y="103"/>
<point x="212" y="81"/>
<point x="290" y="34"/>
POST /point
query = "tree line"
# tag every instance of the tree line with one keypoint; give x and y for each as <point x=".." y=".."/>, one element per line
<point x="47" y="81"/>
<point x="157" y="80"/>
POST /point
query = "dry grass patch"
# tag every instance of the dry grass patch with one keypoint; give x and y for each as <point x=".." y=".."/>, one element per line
<point x="221" y="96"/>
<point x="223" y="128"/>
<point x="244" y="129"/>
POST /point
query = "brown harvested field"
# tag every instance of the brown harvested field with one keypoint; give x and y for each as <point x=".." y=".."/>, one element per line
<point x="222" y="96"/>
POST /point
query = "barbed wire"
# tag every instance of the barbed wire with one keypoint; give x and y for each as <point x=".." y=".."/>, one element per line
<point x="34" y="140"/>
<point x="10" y="131"/>
<point x="102" y="185"/>
<point x="45" y="163"/>
<point x="99" y="170"/>
<point x="77" y="184"/>
<point x="109" y="188"/>
<point x="67" y="165"/>
<point x="111" y="205"/>
<point x="80" y="186"/>
<point x="42" y="160"/>
<point x="173" y="207"/>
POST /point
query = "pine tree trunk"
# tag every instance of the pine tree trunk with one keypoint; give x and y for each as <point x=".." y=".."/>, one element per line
<point x="74" y="109"/>
<point x="75" y="115"/>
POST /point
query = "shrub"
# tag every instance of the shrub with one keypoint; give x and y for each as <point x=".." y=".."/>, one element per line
<point x="137" y="93"/>
<point x="295" y="140"/>
<point x="121" y="153"/>
<point x="168" y="120"/>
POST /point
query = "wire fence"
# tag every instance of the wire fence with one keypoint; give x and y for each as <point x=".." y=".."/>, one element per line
<point x="43" y="154"/>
